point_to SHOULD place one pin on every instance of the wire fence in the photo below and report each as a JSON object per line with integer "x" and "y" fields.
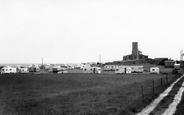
{"x": 155, "y": 86}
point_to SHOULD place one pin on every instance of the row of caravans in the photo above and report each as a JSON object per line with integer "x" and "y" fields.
{"x": 123, "y": 68}
{"x": 50, "y": 68}
{"x": 86, "y": 69}
{"x": 8, "y": 69}
{"x": 31, "y": 69}
{"x": 13, "y": 70}
{"x": 136, "y": 69}
{"x": 18, "y": 69}
{"x": 130, "y": 69}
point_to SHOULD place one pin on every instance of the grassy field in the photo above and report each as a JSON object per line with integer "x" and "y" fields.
{"x": 80, "y": 94}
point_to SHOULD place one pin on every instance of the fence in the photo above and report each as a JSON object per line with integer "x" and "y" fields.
{"x": 155, "y": 86}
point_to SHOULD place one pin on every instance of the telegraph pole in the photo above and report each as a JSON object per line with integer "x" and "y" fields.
{"x": 42, "y": 62}
{"x": 100, "y": 58}
{"x": 181, "y": 55}
{"x": 181, "y": 60}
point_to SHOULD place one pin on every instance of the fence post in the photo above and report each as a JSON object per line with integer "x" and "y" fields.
{"x": 142, "y": 92}
{"x": 153, "y": 87}
{"x": 166, "y": 78}
{"x": 176, "y": 76}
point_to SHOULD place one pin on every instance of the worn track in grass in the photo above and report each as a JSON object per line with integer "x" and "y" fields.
{"x": 164, "y": 104}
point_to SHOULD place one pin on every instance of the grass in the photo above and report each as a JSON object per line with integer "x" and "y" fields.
{"x": 65, "y": 94}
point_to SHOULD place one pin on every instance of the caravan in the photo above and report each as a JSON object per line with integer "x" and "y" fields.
{"x": 123, "y": 69}
{"x": 110, "y": 67}
{"x": 154, "y": 70}
{"x": 33, "y": 69}
{"x": 137, "y": 69}
{"x": 59, "y": 69}
{"x": 23, "y": 70}
{"x": 92, "y": 70}
{"x": 8, "y": 69}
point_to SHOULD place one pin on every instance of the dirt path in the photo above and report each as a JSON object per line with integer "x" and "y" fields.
{"x": 162, "y": 102}
{"x": 179, "y": 108}
{"x": 172, "y": 107}
{"x": 166, "y": 107}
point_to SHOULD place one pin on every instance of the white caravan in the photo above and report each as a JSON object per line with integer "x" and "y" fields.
{"x": 92, "y": 70}
{"x": 58, "y": 69}
{"x": 85, "y": 65}
{"x": 154, "y": 70}
{"x": 111, "y": 67}
{"x": 123, "y": 69}
{"x": 137, "y": 69}
{"x": 8, "y": 69}
{"x": 24, "y": 70}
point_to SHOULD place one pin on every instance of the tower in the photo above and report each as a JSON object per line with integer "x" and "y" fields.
{"x": 135, "y": 52}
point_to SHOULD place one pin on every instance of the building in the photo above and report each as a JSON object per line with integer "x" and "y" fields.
{"x": 136, "y": 53}
{"x": 182, "y": 64}
{"x": 169, "y": 64}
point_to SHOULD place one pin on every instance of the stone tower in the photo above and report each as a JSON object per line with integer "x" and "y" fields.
{"x": 135, "y": 52}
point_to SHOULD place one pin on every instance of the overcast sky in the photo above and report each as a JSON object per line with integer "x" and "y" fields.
{"x": 74, "y": 31}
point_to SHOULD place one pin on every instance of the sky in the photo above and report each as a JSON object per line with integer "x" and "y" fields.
{"x": 77, "y": 31}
